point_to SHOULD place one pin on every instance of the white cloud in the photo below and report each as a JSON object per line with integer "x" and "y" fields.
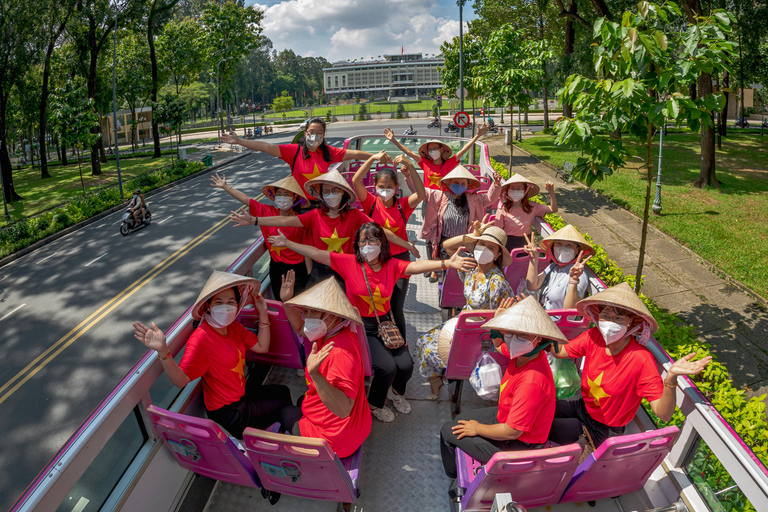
{"x": 350, "y": 29}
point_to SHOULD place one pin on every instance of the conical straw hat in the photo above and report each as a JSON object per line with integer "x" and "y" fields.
{"x": 445, "y": 338}
{"x": 288, "y": 183}
{"x": 531, "y": 189}
{"x": 221, "y": 281}
{"x": 527, "y": 317}
{"x": 327, "y": 296}
{"x": 445, "y": 149}
{"x": 621, "y": 296}
{"x": 567, "y": 234}
{"x": 461, "y": 172}
{"x": 334, "y": 178}
{"x": 495, "y": 235}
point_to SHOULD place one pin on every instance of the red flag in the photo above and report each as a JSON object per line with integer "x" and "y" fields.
{"x": 402, "y": 48}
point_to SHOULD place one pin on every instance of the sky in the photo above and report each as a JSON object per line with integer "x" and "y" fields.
{"x": 351, "y": 29}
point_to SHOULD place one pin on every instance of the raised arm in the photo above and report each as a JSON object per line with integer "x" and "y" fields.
{"x": 390, "y": 135}
{"x": 256, "y": 145}
{"x": 262, "y": 346}
{"x": 333, "y": 398}
{"x": 221, "y": 182}
{"x": 406, "y": 167}
{"x": 309, "y": 251}
{"x": 479, "y": 133}
{"x": 552, "y": 197}
{"x": 491, "y": 196}
{"x": 153, "y": 338}
{"x": 664, "y": 407}
{"x": 355, "y": 154}
{"x": 405, "y": 244}
{"x": 533, "y": 279}
{"x": 357, "y": 179}
{"x": 244, "y": 219}
{"x": 456, "y": 261}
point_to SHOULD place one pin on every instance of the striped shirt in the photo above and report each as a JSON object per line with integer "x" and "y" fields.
{"x": 455, "y": 221}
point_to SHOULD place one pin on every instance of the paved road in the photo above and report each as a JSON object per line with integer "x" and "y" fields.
{"x": 66, "y": 308}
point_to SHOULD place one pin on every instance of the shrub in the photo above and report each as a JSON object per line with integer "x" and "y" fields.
{"x": 400, "y": 110}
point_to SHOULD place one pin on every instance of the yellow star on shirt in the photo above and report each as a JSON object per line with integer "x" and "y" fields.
{"x": 378, "y": 300}
{"x": 238, "y": 369}
{"x": 435, "y": 178}
{"x": 275, "y": 249}
{"x": 335, "y": 242}
{"x": 595, "y": 391}
{"x": 314, "y": 174}
{"x": 389, "y": 227}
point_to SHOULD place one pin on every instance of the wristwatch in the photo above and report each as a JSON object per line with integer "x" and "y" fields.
{"x": 255, "y": 221}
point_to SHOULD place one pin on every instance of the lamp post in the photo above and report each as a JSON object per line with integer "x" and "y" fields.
{"x": 519, "y": 126}
{"x": 461, "y": 58}
{"x": 657, "y": 200}
{"x": 114, "y": 107}
{"x": 218, "y": 94}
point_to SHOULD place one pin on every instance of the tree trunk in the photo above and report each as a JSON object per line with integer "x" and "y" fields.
{"x": 570, "y": 41}
{"x": 6, "y": 170}
{"x": 646, "y": 211}
{"x": 31, "y": 137}
{"x": 724, "y": 113}
{"x": 58, "y": 147}
{"x": 153, "y": 63}
{"x": 707, "y": 177}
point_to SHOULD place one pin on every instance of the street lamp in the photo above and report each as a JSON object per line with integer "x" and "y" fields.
{"x": 657, "y": 200}
{"x": 461, "y": 58}
{"x": 114, "y": 106}
{"x": 218, "y": 94}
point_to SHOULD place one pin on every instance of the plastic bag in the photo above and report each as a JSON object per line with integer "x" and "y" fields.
{"x": 486, "y": 377}
{"x": 567, "y": 379}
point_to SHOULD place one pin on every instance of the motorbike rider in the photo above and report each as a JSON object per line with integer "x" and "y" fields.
{"x": 137, "y": 205}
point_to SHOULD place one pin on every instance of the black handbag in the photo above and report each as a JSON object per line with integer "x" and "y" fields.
{"x": 388, "y": 331}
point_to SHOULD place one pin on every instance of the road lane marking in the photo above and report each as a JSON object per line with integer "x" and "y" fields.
{"x": 12, "y": 312}
{"x": 165, "y": 219}
{"x": 97, "y": 259}
{"x": 60, "y": 345}
{"x": 117, "y": 222}
{"x": 47, "y": 257}
{"x": 81, "y": 504}
{"x": 211, "y": 194}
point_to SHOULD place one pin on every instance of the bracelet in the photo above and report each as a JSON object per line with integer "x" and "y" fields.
{"x": 265, "y": 323}
{"x": 255, "y": 221}
{"x": 668, "y": 386}
{"x": 167, "y": 355}
{"x": 573, "y": 282}
{"x": 443, "y": 265}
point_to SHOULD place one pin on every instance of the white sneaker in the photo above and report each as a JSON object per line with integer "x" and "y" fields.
{"x": 400, "y": 403}
{"x": 384, "y": 414}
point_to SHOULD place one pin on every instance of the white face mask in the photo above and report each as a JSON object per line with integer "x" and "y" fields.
{"x": 517, "y": 345}
{"x": 314, "y": 141}
{"x": 283, "y": 202}
{"x": 435, "y": 154}
{"x": 483, "y": 255}
{"x": 611, "y": 331}
{"x": 332, "y": 199}
{"x": 516, "y": 195}
{"x": 370, "y": 252}
{"x": 314, "y": 328}
{"x": 221, "y": 315}
{"x": 564, "y": 254}
{"x": 385, "y": 193}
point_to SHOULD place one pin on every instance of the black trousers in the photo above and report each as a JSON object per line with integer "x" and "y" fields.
{"x": 570, "y": 415}
{"x": 515, "y": 242}
{"x": 397, "y": 301}
{"x": 259, "y": 408}
{"x": 391, "y": 368}
{"x": 277, "y": 269}
{"x": 479, "y": 448}
{"x": 290, "y": 416}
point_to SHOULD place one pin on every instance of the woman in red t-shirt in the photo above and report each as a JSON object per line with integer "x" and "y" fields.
{"x": 516, "y": 211}
{"x": 333, "y": 408}
{"x": 371, "y": 293}
{"x": 618, "y": 370}
{"x": 287, "y": 196}
{"x": 331, "y": 227}
{"x": 391, "y": 212}
{"x": 309, "y": 158}
{"x": 527, "y": 394}
{"x": 215, "y": 351}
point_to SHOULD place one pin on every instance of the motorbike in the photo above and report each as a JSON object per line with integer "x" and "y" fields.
{"x": 408, "y": 131}
{"x": 741, "y": 123}
{"x": 435, "y": 123}
{"x": 451, "y": 128}
{"x": 128, "y": 224}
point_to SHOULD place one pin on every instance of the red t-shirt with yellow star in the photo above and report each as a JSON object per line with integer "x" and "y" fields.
{"x": 527, "y": 398}
{"x": 343, "y": 369}
{"x": 219, "y": 360}
{"x": 257, "y": 209}
{"x": 382, "y": 282}
{"x": 614, "y": 386}
{"x": 312, "y": 167}
{"x": 389, "y": 218}
{"x": 434, "y": 173}
{"x": 333, "y": 234}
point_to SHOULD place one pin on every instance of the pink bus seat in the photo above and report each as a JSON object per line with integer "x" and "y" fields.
{"x": 474, "y": 169}
{"x": 467, "y": 344}
{"x": 303, "y": 466}
{"x": 365, "y": 350}
{"x": 284, "y": 347}
{"x": 620, "y": 465}
{"x": 570, "y": 321}
{"x": 202, "y": 446}
{"x": 452, "y": 290}
{"x": 517, "y": 271}
{"x": 534, "y": 478}
{"x": 485, "y": 183}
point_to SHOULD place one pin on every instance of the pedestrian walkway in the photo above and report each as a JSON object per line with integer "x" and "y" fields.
{"x": 725, "y": 314}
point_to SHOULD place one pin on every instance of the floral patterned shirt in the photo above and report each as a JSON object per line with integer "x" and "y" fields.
{"x": 485, "y": 291}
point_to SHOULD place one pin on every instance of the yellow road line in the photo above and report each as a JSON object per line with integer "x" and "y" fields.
{"x": 54, "y": 350}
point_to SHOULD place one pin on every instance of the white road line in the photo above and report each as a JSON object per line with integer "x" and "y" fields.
{"x": 97, "y": 259}
{"x": 118, "y": 222}
{"x": 211, "y": 194}
{"x": 376, "y": 141}
{"x": 165, "y": 219}
{"x": 47, "y": 257}
{"x": 81, "y": 504}
{"x": 164, "y": 199}
{"x": 12, "y": 312}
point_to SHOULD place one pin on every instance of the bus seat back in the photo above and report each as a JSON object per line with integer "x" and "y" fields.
{"x": 452, "y": 290}
{"x": 570, "y": 322}
{"x": 620, "y": 465}
{"x": 284, "y": 347}
{"x": 467, "y": 345}
{"x": 201, "y": 446}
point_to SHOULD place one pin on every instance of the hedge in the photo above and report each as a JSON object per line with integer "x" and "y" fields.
{"x": 746, "y": 416}
{"x": 21, "y": 234}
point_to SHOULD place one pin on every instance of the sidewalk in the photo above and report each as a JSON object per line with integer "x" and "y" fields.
{"x": 724, "y": 314}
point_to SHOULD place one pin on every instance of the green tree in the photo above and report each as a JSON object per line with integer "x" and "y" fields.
{"x": 171, "y": 111}
{"x": 283, "y": 102}
{"x": 133, "y": 76}
{"x": 400, "y": 110}
{"x": 652, "y": 65}
{"x": 474, "y": 56}
{"x": 328, "y": 116}
{"x": 362, "y": 112}
{"x": 180, "y": 52}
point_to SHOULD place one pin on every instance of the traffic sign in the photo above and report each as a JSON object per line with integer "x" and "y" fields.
{"x": 460, "y": 90}
{"x": 461, "y": 119}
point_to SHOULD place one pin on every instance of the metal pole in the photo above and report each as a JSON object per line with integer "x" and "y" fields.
{"x": 114, "y": 107}
{"x": 657, "y": 200}
{"x": 519, "y": 126}
{"x": 461, "y": 58}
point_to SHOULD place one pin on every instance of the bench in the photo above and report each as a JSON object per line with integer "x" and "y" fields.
{"x": 566, "y": 173}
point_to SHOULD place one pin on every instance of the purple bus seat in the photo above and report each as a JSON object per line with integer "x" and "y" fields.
{"x": 620, "y": 465}
{"x": 201, "y": 446}
{"x": 570, "y": 322}
{"x": 534, "y": 478}
{"x": 452, "y": 290}
{"x": 517, "y": 271}
{"x": 365, "y": 350}
{"x": 474, "y": 169}
{"x": 467, "y": 344}
{"x": 284, "y": 347}
{"x": 485, "y": 183}
{"x": 303, "y": 466}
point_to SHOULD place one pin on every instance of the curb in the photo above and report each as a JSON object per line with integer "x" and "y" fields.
{"x": 708, "y": 264}
{"x": 64, "y": 232}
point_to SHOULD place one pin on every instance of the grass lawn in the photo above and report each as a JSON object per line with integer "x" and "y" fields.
{"x": 725, "y": 226}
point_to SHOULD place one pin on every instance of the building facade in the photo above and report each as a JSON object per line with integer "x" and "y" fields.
{"x": 143, "y": 127}
{"x": 397, "y": 75}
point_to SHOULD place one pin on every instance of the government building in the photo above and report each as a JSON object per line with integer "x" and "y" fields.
{"x": 407, "y": 74}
